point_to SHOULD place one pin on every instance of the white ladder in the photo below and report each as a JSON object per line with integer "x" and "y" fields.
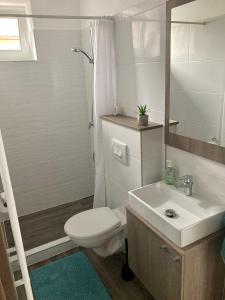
{"x": 13, "y": 217}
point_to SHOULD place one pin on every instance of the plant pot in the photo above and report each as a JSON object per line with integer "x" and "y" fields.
{"x": 142, "y": 120}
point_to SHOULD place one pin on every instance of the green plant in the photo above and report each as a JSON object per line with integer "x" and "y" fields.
{"x": 142, "y": 110}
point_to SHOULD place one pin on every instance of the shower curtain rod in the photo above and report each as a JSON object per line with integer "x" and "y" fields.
{"x": 56, "y": 17}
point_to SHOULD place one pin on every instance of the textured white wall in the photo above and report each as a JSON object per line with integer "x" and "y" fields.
{"x": 144, "y": 159}
{"x": 204, "y": 170}
{"x": 44, "y": 121}
{"x": 120, "y": 178}
{"x": 140, "y": 48}
{"x": 209, "y": 176}
{"x": 66, "y": 7}
{"x": 105, "y": 7}
{"x": 199, "y": 10}
{"x": 56, "y": 7}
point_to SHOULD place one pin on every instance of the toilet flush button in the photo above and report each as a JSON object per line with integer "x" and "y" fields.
{"x": 119, "y": 151}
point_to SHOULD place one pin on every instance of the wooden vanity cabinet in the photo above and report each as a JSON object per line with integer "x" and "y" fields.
{"x": 168, "y": 272}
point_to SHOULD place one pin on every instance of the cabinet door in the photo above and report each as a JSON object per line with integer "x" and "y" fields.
{"x": 156, "y": 264}
{"x": 138, "y": 250}
{"x": 164, "y": 270}
{"x": 204, "y": 271}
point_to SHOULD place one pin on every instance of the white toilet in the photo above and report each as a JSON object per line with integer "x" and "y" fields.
{"x": 102, "y": 229}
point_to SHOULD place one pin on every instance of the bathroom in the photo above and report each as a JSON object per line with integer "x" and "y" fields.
{"x": 95, "y": 205}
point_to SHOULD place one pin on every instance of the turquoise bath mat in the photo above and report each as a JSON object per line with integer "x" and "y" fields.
{"x": 71, "y": 278}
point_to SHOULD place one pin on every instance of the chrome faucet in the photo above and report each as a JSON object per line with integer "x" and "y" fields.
{"x": 186, "y": 182}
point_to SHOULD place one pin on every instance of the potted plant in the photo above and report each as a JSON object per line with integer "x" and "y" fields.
{"x": 142, "y": 115}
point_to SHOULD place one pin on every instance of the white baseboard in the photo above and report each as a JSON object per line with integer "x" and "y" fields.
{"x": 44, "y": 252}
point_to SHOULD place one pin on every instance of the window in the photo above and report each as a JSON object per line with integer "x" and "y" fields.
{"x": 16, "y": 37}
{"x": 9, "y": 35}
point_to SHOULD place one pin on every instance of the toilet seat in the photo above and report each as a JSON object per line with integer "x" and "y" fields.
{"x": 92, "y": 226}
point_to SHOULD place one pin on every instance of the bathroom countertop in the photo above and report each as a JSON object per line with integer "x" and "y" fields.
{"x": 131, "y": 122}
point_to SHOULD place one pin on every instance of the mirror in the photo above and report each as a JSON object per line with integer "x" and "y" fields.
{"x": 196, "y": 93}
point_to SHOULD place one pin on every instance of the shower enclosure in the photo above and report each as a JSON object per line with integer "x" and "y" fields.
{"x": 46, "y": 119}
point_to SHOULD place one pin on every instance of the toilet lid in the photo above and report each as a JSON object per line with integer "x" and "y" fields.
{"x": 92, "y": 223}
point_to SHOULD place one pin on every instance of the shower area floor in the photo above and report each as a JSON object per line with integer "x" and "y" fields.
{"x": 48, "y": 225}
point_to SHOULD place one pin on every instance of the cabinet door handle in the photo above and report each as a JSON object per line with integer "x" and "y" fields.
{"x": 165, "y": 249}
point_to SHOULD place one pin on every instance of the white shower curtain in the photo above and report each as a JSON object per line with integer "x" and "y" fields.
{"x": 104, "y": 97}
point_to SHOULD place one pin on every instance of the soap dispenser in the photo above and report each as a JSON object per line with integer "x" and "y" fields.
{"x": 170, "y": 173}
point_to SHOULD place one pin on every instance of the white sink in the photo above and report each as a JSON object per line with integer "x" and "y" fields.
{"x": 196, "y": 217}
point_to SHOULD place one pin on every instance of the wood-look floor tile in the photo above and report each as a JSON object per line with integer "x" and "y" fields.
{"x": 47, "y": 225}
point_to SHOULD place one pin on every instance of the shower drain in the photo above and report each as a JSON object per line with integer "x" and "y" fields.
{"x": 171, "y": 213}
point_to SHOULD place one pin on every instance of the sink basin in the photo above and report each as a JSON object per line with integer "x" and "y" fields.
{"x": 194, "y": 217}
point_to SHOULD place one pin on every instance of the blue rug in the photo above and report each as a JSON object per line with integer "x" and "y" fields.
{"x": 71, "y": 278}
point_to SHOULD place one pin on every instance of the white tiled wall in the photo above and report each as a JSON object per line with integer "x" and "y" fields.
{"x": 44, "y": 121}
{"x": 208, "y": 175}
{"x": 120, "y": 178}
{"x": 198, "y": 79}
{"x": 152, "y": 155}
{"x": 140, "y": 48}
{"x": 144, "y": 162}
{"x": 105, "y": 7}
